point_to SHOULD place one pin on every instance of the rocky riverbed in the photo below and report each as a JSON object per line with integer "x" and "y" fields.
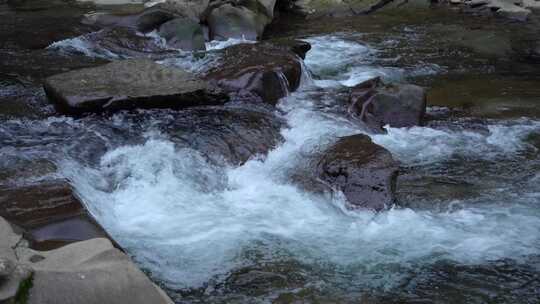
{"x": 269, "y": 151}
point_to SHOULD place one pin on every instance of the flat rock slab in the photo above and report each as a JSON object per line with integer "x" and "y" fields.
{"x": 129, "y": 84}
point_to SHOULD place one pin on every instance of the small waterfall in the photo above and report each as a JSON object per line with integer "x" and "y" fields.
{"x": 284, "y": 83}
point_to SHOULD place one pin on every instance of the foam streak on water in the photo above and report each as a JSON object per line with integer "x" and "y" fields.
{"x": 190, "y": 222}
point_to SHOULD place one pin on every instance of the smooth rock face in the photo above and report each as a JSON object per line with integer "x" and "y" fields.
{"x": 257, "y": 72}
{"x": 229, "y": 21}
{"x": 365, "y": 172}
{"x": 129, "y": 84}
{"x": 11, "y": 273}
{"x": 184, "y": 34}
{"x": 152, "y": 18}
{"x": 50, "y": 213}
{"x": 195, "y": 10}
{"x": 397, "y": 105}
{"x": 89, "y": 272}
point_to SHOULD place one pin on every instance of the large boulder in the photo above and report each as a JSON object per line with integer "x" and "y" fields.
{"x": 183, "y": 33}
{"x": 261, "y": 71}
{"x": 129, "y": 84}
{"x": 88, "y": 272}
{"x": 152, "y": 17}
{"x": 228, "y": 21}
{"x": 365, "y": 172}
{"x": 49, "y": 212}
{"x": 195, "y": 10}
{"x": 378, "y": 104}
{"x": 13, "y": 275}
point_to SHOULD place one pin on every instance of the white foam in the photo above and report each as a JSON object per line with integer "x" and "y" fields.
{"x": 221, "y": 44}
{"x": 189, "y": 222}
{"x": 82, "y": 45}
{"x": 424, "y": 145}
{"x": 340, "y": 62}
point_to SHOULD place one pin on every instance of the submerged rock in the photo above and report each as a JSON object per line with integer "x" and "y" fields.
{"x": 129, "y": 84}
{"x": 233, "y": 134}
{"x": 379, "y": 104}
{"x": 50, "y": 213}
{"x": 365, "y": 172}
{"x": 261, "y": 71}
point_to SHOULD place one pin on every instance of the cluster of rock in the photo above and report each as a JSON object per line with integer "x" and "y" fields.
{"x": 258, "y": 74}
{"x": 518, "y": 10}
{"x": 187, "y": 24}
{"x": 363, "y": 171}
{"x": 84, "y": 266}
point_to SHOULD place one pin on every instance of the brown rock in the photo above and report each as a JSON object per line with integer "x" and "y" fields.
{"x": 378, "y": 104}
{"x": 258, "y": 71}
{"x": 365, "y": 172}
{"x": 50, "y": 213}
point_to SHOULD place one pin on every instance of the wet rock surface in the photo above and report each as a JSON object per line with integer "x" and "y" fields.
{"x": 347, "y": 256}
{"x": 233, "y": 134}
{"x": 365, "y": 172}
{"x": 259, "y": 71}
{"x": 129, "y": 84}
{"x": 49, "y": 212}
{"x": 396, "y": 105}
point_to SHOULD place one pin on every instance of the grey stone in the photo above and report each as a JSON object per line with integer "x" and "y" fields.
{"x": 129, "y": 84}
{"x": 89, "y": 272}
{"x": 508, "y": 9}
{"x": 228, "y": 21}
{"x": 379, "y": 104}
{"x": 11, "y": 273}
{"x": 183, "y": 33}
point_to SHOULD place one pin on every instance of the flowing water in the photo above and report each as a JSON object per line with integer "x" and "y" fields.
{"x": 466, "y": 228}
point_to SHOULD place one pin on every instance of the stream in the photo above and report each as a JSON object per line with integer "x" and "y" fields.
{"x": 466, "y": 228}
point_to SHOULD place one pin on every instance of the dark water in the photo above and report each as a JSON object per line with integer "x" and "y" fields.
{"x": 465, "y": 230}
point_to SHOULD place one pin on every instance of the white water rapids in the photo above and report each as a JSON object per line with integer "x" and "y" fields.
{"x": 189, "y": 222}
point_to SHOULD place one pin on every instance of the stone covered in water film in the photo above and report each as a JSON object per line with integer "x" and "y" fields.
{"x": 379, "y": 104}
{"x": 365, "y": 172}
{"x": 261, "y": 71}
